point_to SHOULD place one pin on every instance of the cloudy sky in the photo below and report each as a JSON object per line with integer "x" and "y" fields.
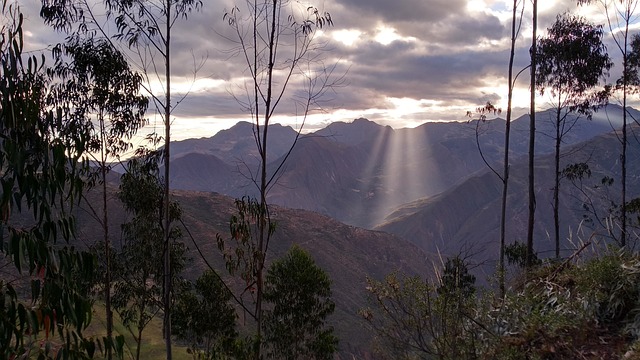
{"x": 399, "y": 63}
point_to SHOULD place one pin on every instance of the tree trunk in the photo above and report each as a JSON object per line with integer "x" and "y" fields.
{"x": 167, "y": 219}
{"x": 556, "y": 184}
{"x": 107, "y": 249}
{"x": 532, "y": 134}
{"x": 623, "y": 156}
{"x": 505, "y": 174}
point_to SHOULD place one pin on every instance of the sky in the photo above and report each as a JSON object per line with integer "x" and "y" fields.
{"x": 399, "y": 63}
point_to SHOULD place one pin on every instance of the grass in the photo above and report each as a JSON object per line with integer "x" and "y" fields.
{"x": 152, "y": 346}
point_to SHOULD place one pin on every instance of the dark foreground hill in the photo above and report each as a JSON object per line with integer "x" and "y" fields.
{"x": 348, "y": 254}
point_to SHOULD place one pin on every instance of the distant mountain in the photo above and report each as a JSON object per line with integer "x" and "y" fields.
{"x": 468, "y": 215}
{"x": 348, "y": 254}
{"x": 237, "y": 144}
{"x": 359, "y": 172}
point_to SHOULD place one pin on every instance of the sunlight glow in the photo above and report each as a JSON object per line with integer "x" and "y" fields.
{"x": 347, "y": 36}
{"x": 386, "y": 35}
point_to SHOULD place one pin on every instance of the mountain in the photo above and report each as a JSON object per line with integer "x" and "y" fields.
{"x": 348, "y": 254}
{"x": 359, "y": 172}
{"x": 237, "y": 144}
{"x": 467, "y": 216}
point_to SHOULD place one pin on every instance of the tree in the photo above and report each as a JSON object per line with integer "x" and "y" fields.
{"x": 620, "y": 16}
{"x": 416, "y": 318}
{"x": 109, "y": 94}
{"x": 532, "y": 135}
{"x": 275, "y": 40}
{"x": 147, "y": 27}
{"x": 138, "y": 294}
{"x": 572, "y": 60}
{"x": 515, "y": 30}
{"x": 40, "y": 156}
{"x": 300, "y": 295}
{"x": 205, "y": 319}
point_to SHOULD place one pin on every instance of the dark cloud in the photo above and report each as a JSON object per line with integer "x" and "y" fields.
{"x": 437, "y": 57}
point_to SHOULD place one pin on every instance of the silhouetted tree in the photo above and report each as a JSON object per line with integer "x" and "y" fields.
{"x": 532, "y": 134}
{"x": 620, "y": 16}
{"x": 138, "y": 294}
{"x": 108, "y": 95}
{"x": 205, "y": 319}
{"x": 572, "y": 60}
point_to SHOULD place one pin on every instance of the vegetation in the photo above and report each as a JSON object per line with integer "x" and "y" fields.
{"x": 572, "y": 61}
{"x": 574, "y": 309}
{"x": 56, "y": 122}
{"x": 299, "y": 293}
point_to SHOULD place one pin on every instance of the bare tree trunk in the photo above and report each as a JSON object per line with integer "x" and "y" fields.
{"x": 507, "y": 134}
{"x": 167, "y": 161}
{"x": 107, "y": 245}
{"x": 556, "y": 184}
{"x": 532, "y": 134}
{"x": 623, "y": 156}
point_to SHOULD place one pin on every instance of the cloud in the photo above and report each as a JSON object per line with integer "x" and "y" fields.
{"x": 442, "y": 51}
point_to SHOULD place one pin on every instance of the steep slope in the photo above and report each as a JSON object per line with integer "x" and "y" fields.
{"x": 348, "y": 254}
{"x": 359, "y": 172}
{"x": 468, "y": 214}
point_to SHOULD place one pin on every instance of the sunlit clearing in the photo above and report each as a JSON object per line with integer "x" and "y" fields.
{"x": 347, "y": 37}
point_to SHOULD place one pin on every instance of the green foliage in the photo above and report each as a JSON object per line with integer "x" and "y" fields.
{"x": 456, "y": 279}
{"x": 299, "y": 294}
{"x": 42, "y": 144}
{"x": 516, "y": 254}
{"x": 244, "y": 255}
{"x": 137, "y": 292}
{"x": 416, "y": 319}
{"x": 566, "y": 311}
{"x": 205, "y": 319}
{"x": 571, "y": 61}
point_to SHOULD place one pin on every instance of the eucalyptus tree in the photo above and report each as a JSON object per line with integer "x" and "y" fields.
{"x": 43, "y": 141}
{"x": 572, "y": 61}
{"x": 146, "y": 27}
{"x": 108, "y": 92}
{"x": 532, "y": 135}
{"x": 516, "y": 22}
{"x": 621, "y": 15}
{"x": 137, "y": 294}
{"x": 276, "y": 41}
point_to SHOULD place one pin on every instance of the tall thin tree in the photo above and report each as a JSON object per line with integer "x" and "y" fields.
{"x": 620, "y": 16}
{"x": 532, "y": 136}
{"x": 145, "y": 26}
{"x": 572, "y": 61}
{"x": 108, "y": 90}
{"x": 276, "y": 41}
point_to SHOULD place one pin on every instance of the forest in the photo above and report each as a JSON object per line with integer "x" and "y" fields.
{"x": 100, "y": 259}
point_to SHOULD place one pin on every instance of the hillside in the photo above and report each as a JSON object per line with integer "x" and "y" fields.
{"x": 359, "y": 172}
{"x": 348, "y": 254}
{"x": 467, "y": 215}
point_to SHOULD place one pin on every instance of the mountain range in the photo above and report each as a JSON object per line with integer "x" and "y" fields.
{"x": 361, "y": 172}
